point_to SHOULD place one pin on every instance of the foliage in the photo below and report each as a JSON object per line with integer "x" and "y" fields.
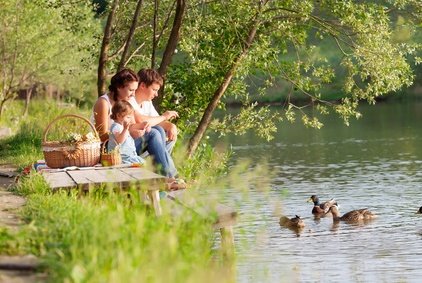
{"x": 45, "y": 42}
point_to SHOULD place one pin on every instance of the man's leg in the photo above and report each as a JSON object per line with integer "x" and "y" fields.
{"x": 156, "y": 147}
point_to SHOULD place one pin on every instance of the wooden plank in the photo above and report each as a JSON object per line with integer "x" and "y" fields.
{"x": 143, "y": 174}
{"x": 83, "y": 177}
{"x": 58, "y": 180}
{"x": 27, "y": 262}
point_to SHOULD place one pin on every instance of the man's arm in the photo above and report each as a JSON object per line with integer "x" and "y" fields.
{"x": 170, "y": 129}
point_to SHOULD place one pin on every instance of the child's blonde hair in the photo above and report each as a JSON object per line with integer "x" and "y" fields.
{"x": 121, "y": 108}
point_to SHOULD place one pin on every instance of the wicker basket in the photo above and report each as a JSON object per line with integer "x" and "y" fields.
{"x": 110, "y": 158}
{"x": 61, "y": 154}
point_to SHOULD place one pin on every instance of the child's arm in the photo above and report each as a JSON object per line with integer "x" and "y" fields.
{"x": 122, "y": 136}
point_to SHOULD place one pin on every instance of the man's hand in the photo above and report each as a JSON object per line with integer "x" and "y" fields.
{"x": 172, "y": 132}
{"x": 168, "y": 115}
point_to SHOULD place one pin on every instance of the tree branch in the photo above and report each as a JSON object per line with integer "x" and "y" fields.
{"x": 130, "y": 35}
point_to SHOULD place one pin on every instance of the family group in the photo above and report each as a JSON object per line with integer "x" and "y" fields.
{"x": 125, "y": 117}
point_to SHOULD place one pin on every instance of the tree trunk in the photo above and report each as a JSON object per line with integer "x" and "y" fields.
{"x": 129, "y": 38}
{"x": 212, "y": 105}
{"x": 102, "y": 72}
{"x": 2, "y": 107}
{"x": 154, "y": 34}
{"x": 27, "y": 100}
{"x": 171, "y": 47}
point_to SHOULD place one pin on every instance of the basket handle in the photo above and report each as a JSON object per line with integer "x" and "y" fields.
{"x": 67, "y": 116}
{"x": 103, "y": 148}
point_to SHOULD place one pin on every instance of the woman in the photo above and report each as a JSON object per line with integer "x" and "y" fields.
{"x": 122, "y": 87}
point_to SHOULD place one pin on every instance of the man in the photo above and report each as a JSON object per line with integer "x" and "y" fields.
{"x": 150, "y": 81}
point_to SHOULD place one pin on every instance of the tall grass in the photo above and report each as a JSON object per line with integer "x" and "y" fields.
{"x": 110, "y": 237}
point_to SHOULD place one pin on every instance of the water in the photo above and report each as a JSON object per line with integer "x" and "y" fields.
{"x": 376, "y": 163}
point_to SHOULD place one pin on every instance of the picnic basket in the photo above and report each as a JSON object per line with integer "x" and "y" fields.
{"x": 110, "y": 158}
{"x": 82, "y": 153}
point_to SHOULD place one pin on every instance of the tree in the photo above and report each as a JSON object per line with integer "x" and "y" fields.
{"x": 42, "y": 42}
{"x": 233, "y": 40}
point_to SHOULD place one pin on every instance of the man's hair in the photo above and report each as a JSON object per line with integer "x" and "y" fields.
{"x": 121, "y": 79}
{"x": 122, "y": 108}
{"x": 150, "y": 76}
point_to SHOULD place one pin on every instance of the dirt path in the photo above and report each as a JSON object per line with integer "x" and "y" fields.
{"x": 14, "y": 269}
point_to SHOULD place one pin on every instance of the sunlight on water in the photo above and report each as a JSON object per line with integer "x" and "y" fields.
{"x": 376, "y": 163}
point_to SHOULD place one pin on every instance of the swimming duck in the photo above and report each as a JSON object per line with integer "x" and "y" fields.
{"x": 420, "y": 210}
{"x": 294, "y": 223}
{"x": 321, "y": 208}
{"x": 352, "y": 216}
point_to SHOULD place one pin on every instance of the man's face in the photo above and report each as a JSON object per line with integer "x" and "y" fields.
{"x": 152, "y": 91}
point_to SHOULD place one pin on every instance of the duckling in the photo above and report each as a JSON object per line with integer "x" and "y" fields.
{"x": 293, "y": 223}
{"x": 320, "y": 209}
{"x": 352, "y": 216}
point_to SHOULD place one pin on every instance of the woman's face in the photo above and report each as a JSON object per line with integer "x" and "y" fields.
{"x": 128, "y": 91}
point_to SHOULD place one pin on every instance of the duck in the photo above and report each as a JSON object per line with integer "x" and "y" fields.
{"x": 352, "y": 216}
{"x": 321, "y": 209}
{"x": 420, "y": 210}
{"x": 293, "y": 223}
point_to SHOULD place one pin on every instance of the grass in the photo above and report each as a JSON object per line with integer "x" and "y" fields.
{"x": 106, "y": 236}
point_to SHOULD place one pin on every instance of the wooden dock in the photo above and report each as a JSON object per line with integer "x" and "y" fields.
{"x": 120, "y": 177}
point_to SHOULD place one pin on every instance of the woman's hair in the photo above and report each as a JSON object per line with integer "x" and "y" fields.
{"x": 121, "y": 79}
{"x": 150, "y": 76}
{"x": 121, "y": 108}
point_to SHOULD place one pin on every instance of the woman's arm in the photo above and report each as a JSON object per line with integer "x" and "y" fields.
{"x": 102, "y": 118}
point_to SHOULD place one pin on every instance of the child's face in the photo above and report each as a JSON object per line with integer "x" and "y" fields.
{"x": 128, "y": 118}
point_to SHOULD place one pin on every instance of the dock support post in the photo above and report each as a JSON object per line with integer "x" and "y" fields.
{"x": 227, "y": 242}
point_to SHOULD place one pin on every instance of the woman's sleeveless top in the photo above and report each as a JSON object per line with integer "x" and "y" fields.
{"x": 110, "y": 121}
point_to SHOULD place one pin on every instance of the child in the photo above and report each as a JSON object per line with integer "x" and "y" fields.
{"x": 122, "y": 114}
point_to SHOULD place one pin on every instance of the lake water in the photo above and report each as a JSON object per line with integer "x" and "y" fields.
{"x": 374, "y": 163}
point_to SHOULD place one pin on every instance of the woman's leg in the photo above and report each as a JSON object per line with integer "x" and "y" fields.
{"x": 153, "y": 142}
